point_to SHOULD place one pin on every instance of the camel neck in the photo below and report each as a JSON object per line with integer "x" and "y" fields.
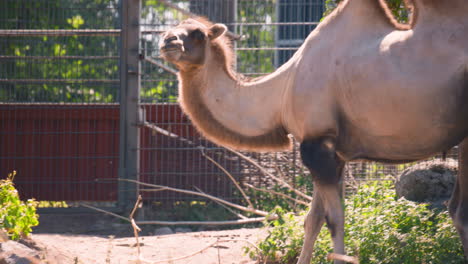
{"x": 241, "y": 114}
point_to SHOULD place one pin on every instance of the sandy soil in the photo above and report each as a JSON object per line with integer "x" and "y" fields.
{"x": 95, "y": 249}
{"x": 96, "y": 239}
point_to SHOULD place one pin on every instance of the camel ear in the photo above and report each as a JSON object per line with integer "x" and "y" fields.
{"x": 216, "y": 31}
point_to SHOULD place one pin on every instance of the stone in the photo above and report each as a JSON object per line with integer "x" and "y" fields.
{"x": 183, "y": 230}
{"x": 12, "y": 252}
{"x": 163, "y": 231}
{"x": 427, "y": 181}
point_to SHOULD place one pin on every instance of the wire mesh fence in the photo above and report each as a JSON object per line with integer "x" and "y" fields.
{"x": 60, "y": 88}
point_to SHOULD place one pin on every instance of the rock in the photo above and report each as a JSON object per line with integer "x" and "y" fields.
{"x": 183, "y": 230}
{"x": 163, "y": 231}
{"x": 427, "y": 181}
{"x": 12, "y": 252}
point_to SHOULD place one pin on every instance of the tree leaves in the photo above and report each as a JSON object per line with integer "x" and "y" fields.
{"x": 16, "y": 217}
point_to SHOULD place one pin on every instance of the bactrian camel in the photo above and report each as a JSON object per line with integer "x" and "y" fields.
{"x": 361, "y": 87}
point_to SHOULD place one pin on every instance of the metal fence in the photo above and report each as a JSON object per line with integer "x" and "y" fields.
{"x": 59, "y": 94}
{"x": 79, "y": 77}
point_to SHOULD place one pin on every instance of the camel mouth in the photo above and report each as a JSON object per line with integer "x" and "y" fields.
{"x": 172, "y": 47}
{"x": 171, "y": 52}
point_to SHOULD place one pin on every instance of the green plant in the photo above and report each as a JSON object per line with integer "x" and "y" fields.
{"x": 397, "y": 7}
{"x": 379, "y": 229}
{"x": 16, "y": 217}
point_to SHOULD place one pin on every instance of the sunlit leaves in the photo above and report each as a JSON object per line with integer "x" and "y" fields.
{"x": 76, "y": 21}
{"x": 16, "y": 217}
{"x": 379, "y": 228}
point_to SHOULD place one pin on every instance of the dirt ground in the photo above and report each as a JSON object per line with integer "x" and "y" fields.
{"x": 96, "y": 238}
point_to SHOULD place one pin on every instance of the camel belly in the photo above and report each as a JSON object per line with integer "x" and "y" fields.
{"x": 407, "y": 123}
{"x": 356, "y": 143}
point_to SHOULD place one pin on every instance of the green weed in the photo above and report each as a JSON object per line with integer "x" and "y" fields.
{"x": 380, "y": 228}
{"x": 16, "y": 217}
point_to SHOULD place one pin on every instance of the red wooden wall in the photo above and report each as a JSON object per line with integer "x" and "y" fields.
{"x": 62, "y": 152}
{"x": 59, "y": 151}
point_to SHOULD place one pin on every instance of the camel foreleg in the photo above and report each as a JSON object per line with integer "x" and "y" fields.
{"x": 313, "y": 223}
{"x": 326, "y": 169}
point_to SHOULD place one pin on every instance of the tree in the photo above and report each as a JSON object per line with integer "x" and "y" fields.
{"x": 64, "y": 64}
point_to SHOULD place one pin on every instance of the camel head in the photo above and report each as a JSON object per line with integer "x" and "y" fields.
{"x": 187, "y": 44}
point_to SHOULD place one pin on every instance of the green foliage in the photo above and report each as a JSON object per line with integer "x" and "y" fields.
{"x": 52, "y": 204}
{"x": 189, "y": 211}
{"x": 396, "y": 6}
{"x": 269, "y": 201}
{"x": 379, "y": 229}
{"x": 72, "y": 58}
{"x": 16, "y": 217}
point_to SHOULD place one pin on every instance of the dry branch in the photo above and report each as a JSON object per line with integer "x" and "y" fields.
{"x": 172, "y": 223}
{"x": 105, "y": 212}
{"x": 161, "y": 65}
{"x": 161, "y": 187}
{"x": 277, "y": 193}
{"x": 186, "y": 256}
{"x": 190, "y": 14}
{"x": 225, "y": 207}
{"x": 334, "y": 256}
{"x": 136, "y": 229}
{"x": 251, "y": 161}
{"x": 230, "y": 177}
{"x": 203, "y": 249}
{"x": 212, "y": 223}
{"x": 281, "y": 181}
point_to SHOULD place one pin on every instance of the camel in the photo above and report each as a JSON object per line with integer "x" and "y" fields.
{"x": 360, "y": 87}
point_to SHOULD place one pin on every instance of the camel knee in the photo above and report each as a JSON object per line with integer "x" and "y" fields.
{"x": 318, "y": 155}
{"x": 335, "y": 224}
{"x": 452, "y": 206}
{"x": 458, "y": 210}
{"x": 316, "y": 214}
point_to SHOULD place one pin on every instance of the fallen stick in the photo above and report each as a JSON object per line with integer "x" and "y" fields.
{"x": 105, "y": 212}
{"x": 136, "y": 229}
{"x": 161, "y": 187}
{"x": 277, "y": 193}
{"x": 172, "y": 223}
{"x": 349, "y": 259}
{"x": 230, "y": 177}
{"x": 225, "y": 207}
{"x": 281, "y": 181}
{"x": 186, "y": 256}
{"x": 251, "y": 161}
{"x": 227, "y": 222}
{"x": 203, "y": 249}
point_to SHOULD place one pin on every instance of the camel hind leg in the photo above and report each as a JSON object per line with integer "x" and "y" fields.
{"x": 326, "y": 169}
{"x": 458, "y": 206}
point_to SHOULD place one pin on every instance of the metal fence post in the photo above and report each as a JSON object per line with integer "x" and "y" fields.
{"x": 130, "y": 69}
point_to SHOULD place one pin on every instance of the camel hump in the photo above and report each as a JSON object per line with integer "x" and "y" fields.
{"x": 377, "y": 11}
{"x": 447, "y": 7}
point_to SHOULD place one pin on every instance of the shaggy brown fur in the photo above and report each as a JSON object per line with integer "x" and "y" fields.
{"x": 203, "y": 119}
{"x": 190, "y": 87}
{"x": 221, "y": 47}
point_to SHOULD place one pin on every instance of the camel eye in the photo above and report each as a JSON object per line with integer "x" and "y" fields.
{"x": 197, "y": 34}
